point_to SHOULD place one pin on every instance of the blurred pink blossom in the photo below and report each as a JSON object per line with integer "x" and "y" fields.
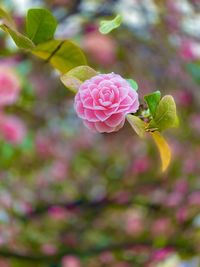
{"x": 189, "y": 50}
{"x": 134, "y": 224}
{"x": 49, "y": 249}
{"x": 182, "y": 214}
{"x": 44, "y": 145}
{"x": 59, "y": 170}
{"x": 184, "y": 98}
{"x": 141, "y": 164}
{"x": 161, "y": 226}
{"x": 194, "y": 198}
{"x": 173, "y": 199}
{"x": 12, "y": 129}
{"x": 195, "y": 122}
{"x": 161, "y": 254}
{"x": 106, "y": 257}
{"x": 71, "y": 261}
{"x": 58, "y": 213}
{"x": 181, "y": 186}
{"x": 100, "y": 47}
{"x": 9, "y": 86}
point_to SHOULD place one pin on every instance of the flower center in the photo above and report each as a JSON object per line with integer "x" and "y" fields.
{"x": 106, "y": 96}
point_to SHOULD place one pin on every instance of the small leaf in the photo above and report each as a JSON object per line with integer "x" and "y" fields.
{"x": 40, "y": 25}
{"x": 8, "y": 26}
{"x": 152, "y": 101}
{"x": 71, "y": 82}
{"x": 165, "y": 116}
{"x": 164, "y": 149}
{"x": 137, "y": 124}
{"x": 133, "y": 84}
{"x": 107, "y": 26}
{"x": 63, "y": 55}
{"x": 74, "y": 78}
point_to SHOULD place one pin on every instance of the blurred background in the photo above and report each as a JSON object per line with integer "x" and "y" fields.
{"x": 72, "y": 198}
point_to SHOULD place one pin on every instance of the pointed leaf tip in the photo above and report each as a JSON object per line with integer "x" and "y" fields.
{"x": 107, "y": 26}
{"x": 164, "y": 149}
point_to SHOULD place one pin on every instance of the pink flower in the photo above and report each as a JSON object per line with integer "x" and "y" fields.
{"x": 103, "y": 102}
{"x": 141, "y": 164}
{"x": 12, "y": 129}
{"x": 9, "y": 86}
{"x": 70, "y": 261}
{"x": 134, "y": 223}
{"x": 189, "y": 50}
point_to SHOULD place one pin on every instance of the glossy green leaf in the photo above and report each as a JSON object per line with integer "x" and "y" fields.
{"x": 40, "y": 25}
{"x": 165, "y": 116}
{"x": 152, "y": 101}
{"x": 137, "y": 124}
{"x": 63, "y": 55}
{"x": 133, "y": 84}
{"x": 107, "y": 26}
{"x": 74, "y": 78}
{"x": 164, "y": 149}
{"x": 8, "y": 26}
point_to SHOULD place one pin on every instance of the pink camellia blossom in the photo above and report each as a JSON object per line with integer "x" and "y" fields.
{"x": 9, "y": 86}
{"x": 104, "y": 101}
{"x": 12, "y": 129}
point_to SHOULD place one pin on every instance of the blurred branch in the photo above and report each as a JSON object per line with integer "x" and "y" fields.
{"x": 87, "y": 204}
{"x": 92, "y": 251}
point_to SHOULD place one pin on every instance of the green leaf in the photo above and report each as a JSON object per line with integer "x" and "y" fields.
{"x": 63, "y": 55}
{"x": 40, "y": 25}
{"x": 152, "y": 101}
{"x": 165, "y": 116}
{"x": 71, "y": 82}
{"x": 83, "y": 73}
{"x": 107, "y": 26}
{"x": 20, "y": 40}
{"x": 74, "y": 78}
{"x": 8, "y": 26}
{"x": 137, "y": 124}
{"x": 164, "y": 149}
{"x": 133, "y": 84}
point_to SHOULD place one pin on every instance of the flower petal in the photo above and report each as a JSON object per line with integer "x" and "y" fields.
{"x": 114, "y": 120}
{"x": 103, "y": 128}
